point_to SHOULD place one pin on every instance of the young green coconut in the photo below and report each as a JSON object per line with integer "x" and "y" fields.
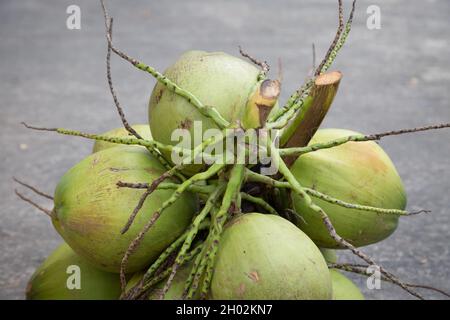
{"x": 343, "y": 287}
{"x": 52, "y": 279}
{"x": 142, "y": 129}
{"x": 235, "y": 88}
{"x": 267, "y": 257}
{"x": 356, "y": 172}
{"x": 329, "y": 255}
{"x": 90, "y": 211}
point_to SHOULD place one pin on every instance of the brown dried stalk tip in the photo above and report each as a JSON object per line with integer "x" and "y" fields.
{"x": 262, "y": 64}
{"x": 34, "y": 189}
{"x": 38, "y": 128}
{"x": 336, "y": 38}
{"x": 34, "y": 204}
{"x": 132, "y": 247}
{"x": 111, "y": 87}
{"x": 378, "y": 136}
{"x": 344, "y": 243}
{"x": 362, "y": 270}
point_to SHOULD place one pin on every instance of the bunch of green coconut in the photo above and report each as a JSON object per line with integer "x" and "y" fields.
{"x": 138, "y": 225}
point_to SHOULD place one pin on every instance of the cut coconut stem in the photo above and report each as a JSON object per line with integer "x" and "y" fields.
{"x": 278, "y": 116}
{"x": 260, "y": 103}
{"x": 304, "y": 125}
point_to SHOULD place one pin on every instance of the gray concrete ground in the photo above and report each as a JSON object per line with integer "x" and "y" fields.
{"x": 395, "y": 77}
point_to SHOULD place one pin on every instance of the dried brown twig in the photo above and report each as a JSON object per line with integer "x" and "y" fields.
{"x": 335, "y": 41}
{"x": 262, "y": 64}
{"x": 362, "y": 270}
{"x": 34, "y": 204}
{"x": 34, "y": 189}
{"x": 109, "y": 77}
{"x": 152, "y": 187}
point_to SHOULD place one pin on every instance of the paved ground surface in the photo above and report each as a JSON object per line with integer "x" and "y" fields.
{"x": 395, "y": 77}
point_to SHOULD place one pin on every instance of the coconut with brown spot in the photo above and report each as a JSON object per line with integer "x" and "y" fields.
{"x": 267, "y": 257}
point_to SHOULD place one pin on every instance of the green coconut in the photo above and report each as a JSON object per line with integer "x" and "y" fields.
{"x": 52, "y": 280}
{"x": 142, "y": 129}
{"x": 343, "y": 287}
{"x": 90, "y": 210}
{"x": 355, "y": 172}
{"x": 329, "y": 255}
{"x": 217, "y": 79}
{"x": 267, "y": 257}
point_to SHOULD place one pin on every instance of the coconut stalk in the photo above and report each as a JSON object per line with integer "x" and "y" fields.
{"x": 304, "y": 125}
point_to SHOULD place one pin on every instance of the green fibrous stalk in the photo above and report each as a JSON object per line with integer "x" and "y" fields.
{"x": 142, "y": 129}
